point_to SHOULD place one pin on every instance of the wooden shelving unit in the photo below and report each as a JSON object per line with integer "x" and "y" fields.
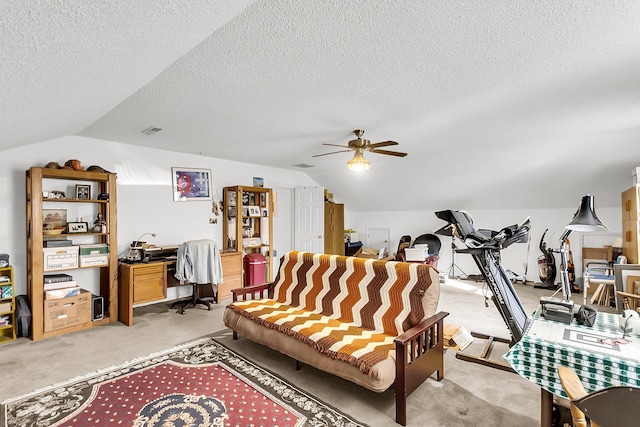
{"x": 7, "y": 305}
{"x": 37, "y": 179}
{"x": 248, "y": 222}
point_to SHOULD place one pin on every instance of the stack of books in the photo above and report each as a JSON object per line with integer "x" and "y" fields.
{"x": 57, "y": 243}
{"x": 58, "y": 286}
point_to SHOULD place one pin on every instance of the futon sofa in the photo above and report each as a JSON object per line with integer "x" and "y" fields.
{"x": 368, "y": 321}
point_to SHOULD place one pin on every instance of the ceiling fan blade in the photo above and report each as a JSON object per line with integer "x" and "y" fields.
{"x": 390, "y": 153}
{"x": 333, "y": 152}
{"x": 383, "y": 144}
{"x": 336, "y": 145}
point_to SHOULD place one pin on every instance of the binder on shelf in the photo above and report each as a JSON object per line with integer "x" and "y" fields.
{"x": 57, "y": 243}
{"x": 55, "y": 278}
{"x": 60, "y": 285}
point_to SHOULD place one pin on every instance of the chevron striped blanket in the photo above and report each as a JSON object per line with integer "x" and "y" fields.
{"x": 347, "y": 308}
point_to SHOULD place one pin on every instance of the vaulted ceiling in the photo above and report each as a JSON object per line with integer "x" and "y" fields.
{"x": 498, "y": 103}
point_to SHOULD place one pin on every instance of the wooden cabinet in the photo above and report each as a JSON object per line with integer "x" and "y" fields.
{"x": 333, "y": 228}
{"x": 232, "y": 274}
{"x": 7, "y": 305}
{"x": 140, "y": 283}
{"x": 248, "y": 222}
{"x": 78, "y": 210}
{"x": 631, "y": 224}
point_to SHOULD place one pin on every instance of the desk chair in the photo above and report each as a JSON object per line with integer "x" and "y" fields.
{"x": 434, "y": 247}
{"x": 198, "y": 263}
{"x": 608, "y": 407}
{"x": 405, "y": 242}
{"x": 601, "y": 274}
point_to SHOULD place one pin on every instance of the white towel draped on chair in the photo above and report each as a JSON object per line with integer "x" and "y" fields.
{"x": 199, "y": 262}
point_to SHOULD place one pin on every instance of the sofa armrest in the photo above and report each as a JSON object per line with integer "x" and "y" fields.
{"x": 420, "y": 328}
{"x": 419, "y": 353}
{"x": 252, "y": 292}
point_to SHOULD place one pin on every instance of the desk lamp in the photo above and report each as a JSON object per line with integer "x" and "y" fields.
{"x": 584, "y": 220}
{"x": 136, "y": 250}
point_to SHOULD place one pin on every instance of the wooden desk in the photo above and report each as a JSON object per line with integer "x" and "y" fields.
{"x": 147, "y": 282}
{"x": 547, "y": 344}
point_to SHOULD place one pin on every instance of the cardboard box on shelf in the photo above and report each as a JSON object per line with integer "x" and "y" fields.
{"x": 66, "y": 312}
{"x": 62, "y": 293}
{"x": 94, "y": 255}
{"x": 60, "y": 258}
{"x": 5, "y": 306}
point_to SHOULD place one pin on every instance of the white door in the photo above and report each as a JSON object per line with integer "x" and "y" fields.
{"x": 378, "y": 238}
{"x": 309, "y": 219}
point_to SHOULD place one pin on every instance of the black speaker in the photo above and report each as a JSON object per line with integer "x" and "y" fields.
{"x": 97, "y": 307}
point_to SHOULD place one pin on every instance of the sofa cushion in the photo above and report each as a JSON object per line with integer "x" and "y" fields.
{"x": 381, "y": 377}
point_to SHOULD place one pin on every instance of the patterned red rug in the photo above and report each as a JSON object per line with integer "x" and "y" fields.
{"x": 198, "y": 384}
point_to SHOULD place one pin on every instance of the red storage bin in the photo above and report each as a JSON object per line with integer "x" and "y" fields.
{"x": 255, "y": 268}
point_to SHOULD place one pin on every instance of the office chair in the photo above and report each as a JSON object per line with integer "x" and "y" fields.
{"x": 434, "y": 247}
{"x": 198, "y": 263}
{"x": 405, "y": 242}
{"x": 430, "y": 239}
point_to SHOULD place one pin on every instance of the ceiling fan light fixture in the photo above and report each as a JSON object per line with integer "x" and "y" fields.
{"x": 358, "y": 162}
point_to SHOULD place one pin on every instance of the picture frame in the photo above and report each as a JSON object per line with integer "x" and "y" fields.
{"x": 253, "y": 211}
{"x": 191, "y": 184}
{"x": 83, "y": 192}
{"x": 258, "y": 182}
{"x": 77, "y": 227}
{"x": 55, "y": 218}
{"x": 625, "y": 275}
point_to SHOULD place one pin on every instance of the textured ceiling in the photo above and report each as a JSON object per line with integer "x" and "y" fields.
{"x": 500, "y": 104}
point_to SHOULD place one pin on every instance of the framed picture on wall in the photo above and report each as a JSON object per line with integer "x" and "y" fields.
{"x": 191, "y": 184}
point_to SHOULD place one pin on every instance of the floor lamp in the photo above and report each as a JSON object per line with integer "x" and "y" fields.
{"x": 584, "y": 220}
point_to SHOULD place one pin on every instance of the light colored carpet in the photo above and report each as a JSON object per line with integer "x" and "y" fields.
{"x": 470, "y": 394}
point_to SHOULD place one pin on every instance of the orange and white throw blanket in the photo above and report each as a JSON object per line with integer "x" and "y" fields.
{"x": 347, "y": 308}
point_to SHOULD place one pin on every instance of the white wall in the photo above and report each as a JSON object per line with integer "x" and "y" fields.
{"x": 145, "y": 202}
{"x": 145, "y": 205}
{"x": 514, "y": 257}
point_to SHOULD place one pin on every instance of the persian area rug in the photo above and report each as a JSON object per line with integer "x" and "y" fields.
{"x": 198, "y": 384}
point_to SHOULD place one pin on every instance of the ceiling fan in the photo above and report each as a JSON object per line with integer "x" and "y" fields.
{"x": 360, "y": 145}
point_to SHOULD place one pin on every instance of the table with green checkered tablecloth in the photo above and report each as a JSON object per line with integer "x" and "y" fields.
{"x": 547, "y": 344}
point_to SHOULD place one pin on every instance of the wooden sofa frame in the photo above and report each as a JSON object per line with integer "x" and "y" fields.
{"x": 419, "y": 351}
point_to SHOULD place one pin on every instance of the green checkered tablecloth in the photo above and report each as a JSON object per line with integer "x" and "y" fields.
{"x": 547, "y": 344}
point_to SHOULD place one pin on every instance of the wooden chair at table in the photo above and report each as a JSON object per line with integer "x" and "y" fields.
{"x": 574, "y": 390}
{"x": 614, "y": 406}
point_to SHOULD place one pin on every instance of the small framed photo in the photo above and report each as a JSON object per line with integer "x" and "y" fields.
{"x": 77, "y": 227}
{"x": 254, "y": 210}
{"x": 83, "y": 192}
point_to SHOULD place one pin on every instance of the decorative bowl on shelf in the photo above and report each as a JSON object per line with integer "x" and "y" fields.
{"x": 53, "y": 231}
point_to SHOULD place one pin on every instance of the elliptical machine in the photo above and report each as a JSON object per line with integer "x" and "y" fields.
{"x": 546, "y": 266}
